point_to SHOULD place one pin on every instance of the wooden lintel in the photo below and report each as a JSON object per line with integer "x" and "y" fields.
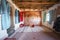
{"x": 35, "y": 2}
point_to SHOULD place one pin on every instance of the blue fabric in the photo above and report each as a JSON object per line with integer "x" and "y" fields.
{"x": 0, "y": 8}
{"x": 16, "y": 17}
{"x": 5, "y": 16}
{"x": 4, "y": 6}
{"x": 8, "y": 15}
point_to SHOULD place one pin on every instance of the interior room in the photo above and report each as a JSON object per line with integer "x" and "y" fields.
{"x": 29, "y": 19}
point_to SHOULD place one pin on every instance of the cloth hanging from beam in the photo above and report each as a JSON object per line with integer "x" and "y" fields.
{"x": 21, "y": 16}
{"x": 16, "y": 16}
{"x": 4, "y": 16}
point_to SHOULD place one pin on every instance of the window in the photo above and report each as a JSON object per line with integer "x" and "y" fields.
{"x": 47, "y": 17}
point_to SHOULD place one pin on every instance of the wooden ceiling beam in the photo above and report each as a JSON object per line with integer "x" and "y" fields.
{"x": 34, "y": 5}
{"x": 35, "y": 2}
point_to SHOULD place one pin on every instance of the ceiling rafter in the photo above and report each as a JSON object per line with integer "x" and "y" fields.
{"x": 36, "y": 3}
{"x": 44, "y": 4}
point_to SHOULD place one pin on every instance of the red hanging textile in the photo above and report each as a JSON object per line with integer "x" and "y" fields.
{"x": 21, "y": 16}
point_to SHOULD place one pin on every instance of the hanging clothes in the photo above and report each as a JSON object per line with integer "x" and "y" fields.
{"x": 4, "y": 16}
{"x": 16, "y": 16}
{"x": 21, "y": 16}
{"x": 8, "y": 14}
{"x": 0, "y": 16}
{"x": 0, "y": 9}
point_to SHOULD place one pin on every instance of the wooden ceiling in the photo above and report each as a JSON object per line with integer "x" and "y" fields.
{"x": 35, "y": 4}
